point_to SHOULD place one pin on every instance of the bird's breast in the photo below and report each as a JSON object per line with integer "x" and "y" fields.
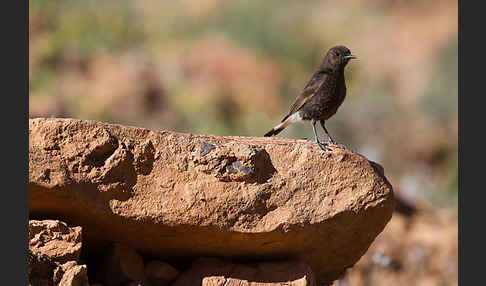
{"x": 334, "y": 97}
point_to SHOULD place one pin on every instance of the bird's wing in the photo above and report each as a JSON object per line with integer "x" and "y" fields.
{"x": 307, "y": 92}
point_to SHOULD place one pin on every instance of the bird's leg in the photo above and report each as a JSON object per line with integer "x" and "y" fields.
{"x": 327, "y": 133}
{"x": 317, "y": 138}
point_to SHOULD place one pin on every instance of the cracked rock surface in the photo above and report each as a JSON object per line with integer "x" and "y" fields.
{"x": 182, "y": 196}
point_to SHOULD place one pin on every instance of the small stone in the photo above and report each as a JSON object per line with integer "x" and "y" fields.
{"x": 61, "y": 269}
{"x": 121, "y": 265}
{"x": 160, "y": 273}
{"x": 210, "y": 272}
{"x": 75, "y": 276}
{"x": 55, "y": 239}
{"x": 205, "y": 148}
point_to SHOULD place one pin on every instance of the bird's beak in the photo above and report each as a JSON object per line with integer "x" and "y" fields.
{"x": 350, "y": 57}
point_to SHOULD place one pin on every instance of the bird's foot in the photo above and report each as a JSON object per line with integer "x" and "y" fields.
{"x": 332, "y": 142}
{"x": 323, "y": 146}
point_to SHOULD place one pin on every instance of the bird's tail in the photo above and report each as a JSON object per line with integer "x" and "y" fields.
{"x": 277, "y": 129}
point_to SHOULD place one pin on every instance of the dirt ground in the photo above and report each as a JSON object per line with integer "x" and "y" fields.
{"x": 419, "y": 246}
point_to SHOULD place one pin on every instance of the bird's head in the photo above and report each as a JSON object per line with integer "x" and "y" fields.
{"x": 337, "y": 57}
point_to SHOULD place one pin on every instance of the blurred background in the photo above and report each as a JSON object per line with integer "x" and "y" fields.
{"x": 235, "y": 67}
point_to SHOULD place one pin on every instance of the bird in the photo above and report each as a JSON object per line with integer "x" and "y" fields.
{"x": 321, "y": 96}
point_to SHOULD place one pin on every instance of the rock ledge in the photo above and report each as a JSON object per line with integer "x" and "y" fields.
{"x": 183, "y": 196}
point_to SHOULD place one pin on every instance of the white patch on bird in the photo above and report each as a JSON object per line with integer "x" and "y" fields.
{"x": 296, "y": 117}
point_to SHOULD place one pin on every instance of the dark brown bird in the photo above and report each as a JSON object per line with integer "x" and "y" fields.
{"x": 322, "y": 95}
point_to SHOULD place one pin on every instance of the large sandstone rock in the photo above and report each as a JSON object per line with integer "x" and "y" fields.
{"x": 180, "y": 196}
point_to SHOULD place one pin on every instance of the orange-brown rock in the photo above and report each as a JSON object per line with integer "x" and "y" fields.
{"x": 55, "y": 239}
{"x": 41, "y": 269}
{"x": 61, "y": 269}
{"x": 54, "y": 253}
{"x": 76, "y": 275}
{"x": 214, "y": 272}
{"x": 180, "y": 196}
{"x": 160, "y": 273}
{"x": 121, "y": 265}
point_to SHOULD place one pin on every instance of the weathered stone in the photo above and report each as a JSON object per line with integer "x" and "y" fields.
{"x": 247, "y": 198}
{"x": 61, "y": 269}
{"x": 160, "y": 273}
{"x": 121, "y": 265}
{"x": 41, "y": 269}
{"x": 55, "y": 239}
{"x": 76, "y": 275}
{"x": 53, "y": 246}
{"x": 209, "y": 272}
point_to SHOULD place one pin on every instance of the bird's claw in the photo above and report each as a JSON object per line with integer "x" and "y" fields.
{"x": 332, "y": 142}
{"x": 323, "y": 146}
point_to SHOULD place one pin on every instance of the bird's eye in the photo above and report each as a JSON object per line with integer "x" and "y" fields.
{"x": 337, "y": 54}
